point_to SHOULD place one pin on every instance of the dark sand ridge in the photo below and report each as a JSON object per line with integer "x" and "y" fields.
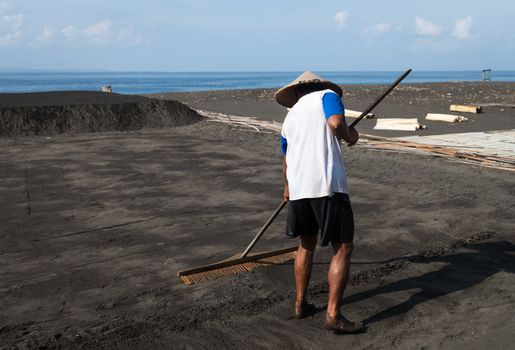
{"x": 115, "y": 215}
{"x": 406, "y": 101}
{"x": 66, "y": 98}
{"x": 51, "y": 113}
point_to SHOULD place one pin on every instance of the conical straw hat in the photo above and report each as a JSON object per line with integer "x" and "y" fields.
{"x": 286, "y": 95}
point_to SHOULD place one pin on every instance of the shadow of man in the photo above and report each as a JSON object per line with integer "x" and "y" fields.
{"x": 463, "y": 270}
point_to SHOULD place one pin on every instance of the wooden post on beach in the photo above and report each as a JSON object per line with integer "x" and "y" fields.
{"x": 465, "y": 108}
{"x": 486, "y": 74}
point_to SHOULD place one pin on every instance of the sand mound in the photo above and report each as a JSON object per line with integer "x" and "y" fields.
{"x": 54, "y": 113}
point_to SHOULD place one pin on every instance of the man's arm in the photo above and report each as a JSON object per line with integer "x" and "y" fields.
{"x": 335, "y": 115}
{"x": 284, "y": 148}
{"x": 286, "y": 192}
{"x": 340, "y": 129}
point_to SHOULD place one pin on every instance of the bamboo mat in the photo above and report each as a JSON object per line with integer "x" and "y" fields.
{"x": 485, "y": 149}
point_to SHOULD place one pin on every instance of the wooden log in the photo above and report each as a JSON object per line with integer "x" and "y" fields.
{"x": 502, "y": 105}
{"x": 450, "y": 118}
{"x": 355, "y": 114}
{"x": 465, "y": 109}
{"x": 406, "y": 124}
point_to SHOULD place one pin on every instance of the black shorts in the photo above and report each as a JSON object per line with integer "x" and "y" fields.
{"x": 331, "y": 215}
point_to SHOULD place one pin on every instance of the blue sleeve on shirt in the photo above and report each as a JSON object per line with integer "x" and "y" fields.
{"x": 284, "y": 145}
{"x": 332, "y": 105}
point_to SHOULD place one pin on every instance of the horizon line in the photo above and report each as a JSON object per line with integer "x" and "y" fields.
{"x": 86, "y": 70}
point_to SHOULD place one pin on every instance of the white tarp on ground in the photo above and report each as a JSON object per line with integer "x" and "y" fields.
{"x": 405, "y": 124}
{"x": 446, "y": 118}
{"x": 500, "y": 143}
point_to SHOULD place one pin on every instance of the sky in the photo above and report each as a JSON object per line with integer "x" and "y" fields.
{"x": 264, "y": 35}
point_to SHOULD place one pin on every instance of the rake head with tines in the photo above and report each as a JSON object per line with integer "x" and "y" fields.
{"x": 240, "y": 263}
{"x": 233, "y": 266}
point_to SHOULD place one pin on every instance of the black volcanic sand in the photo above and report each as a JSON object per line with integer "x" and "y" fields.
{"x": 406, "y": 101}
{"x": 65, "y": 98}
{"x": 90, "y": 260}
{"x": 68, "y": 112}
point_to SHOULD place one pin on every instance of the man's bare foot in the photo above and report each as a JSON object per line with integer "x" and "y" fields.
{"x": 342, "y": 325}
{"x": 301, "y": 308}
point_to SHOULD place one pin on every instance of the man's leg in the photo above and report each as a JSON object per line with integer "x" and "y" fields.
{"x": 303, "y": 266}
{"x": 337, "y": 278}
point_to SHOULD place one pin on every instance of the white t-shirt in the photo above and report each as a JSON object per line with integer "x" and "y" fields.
{"x": 314, "y": 159}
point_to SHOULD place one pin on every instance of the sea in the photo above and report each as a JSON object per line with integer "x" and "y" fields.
{"x": 156, "y": 82}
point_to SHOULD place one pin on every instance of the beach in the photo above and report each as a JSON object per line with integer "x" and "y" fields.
{"x": 97, "y": 222}
{"x": 406, "y": 101}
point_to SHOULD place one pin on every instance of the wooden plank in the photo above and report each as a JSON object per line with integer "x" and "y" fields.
{"x": 465, "y": 108}
{"x": 355, "y": 114}
{"x": 407, "y": 124}
{"x": 450, "y": 118}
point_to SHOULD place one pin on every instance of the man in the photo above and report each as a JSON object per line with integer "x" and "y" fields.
{"x": 316, "y": 187}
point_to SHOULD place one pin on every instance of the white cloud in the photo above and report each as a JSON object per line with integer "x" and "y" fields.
{"x": 425, "y": 27}
{"x": 10, "y": 26}
{"x": 129, "y": 36}
{"x": 462, "y": 27}
{"x": 45, "y": 36}
{"x": 98, "y": 31}
{"x": 342, "y": 19}
{"x": 14, "y": 21}
{"x": 3, "y": 7}
{"x": 10, "y": 37}
{"x": 379, "y": 28}
{"x": 70, "y": 32}
{"x": 102, "y": 32}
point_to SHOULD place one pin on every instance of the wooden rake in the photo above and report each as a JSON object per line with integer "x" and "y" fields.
{"x": 245, "y": 262}
{"x": 241, "y": 262}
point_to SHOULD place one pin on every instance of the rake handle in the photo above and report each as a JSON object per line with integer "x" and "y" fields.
{"x": 380, "y": 98}
{"x": 263, "y": 229}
